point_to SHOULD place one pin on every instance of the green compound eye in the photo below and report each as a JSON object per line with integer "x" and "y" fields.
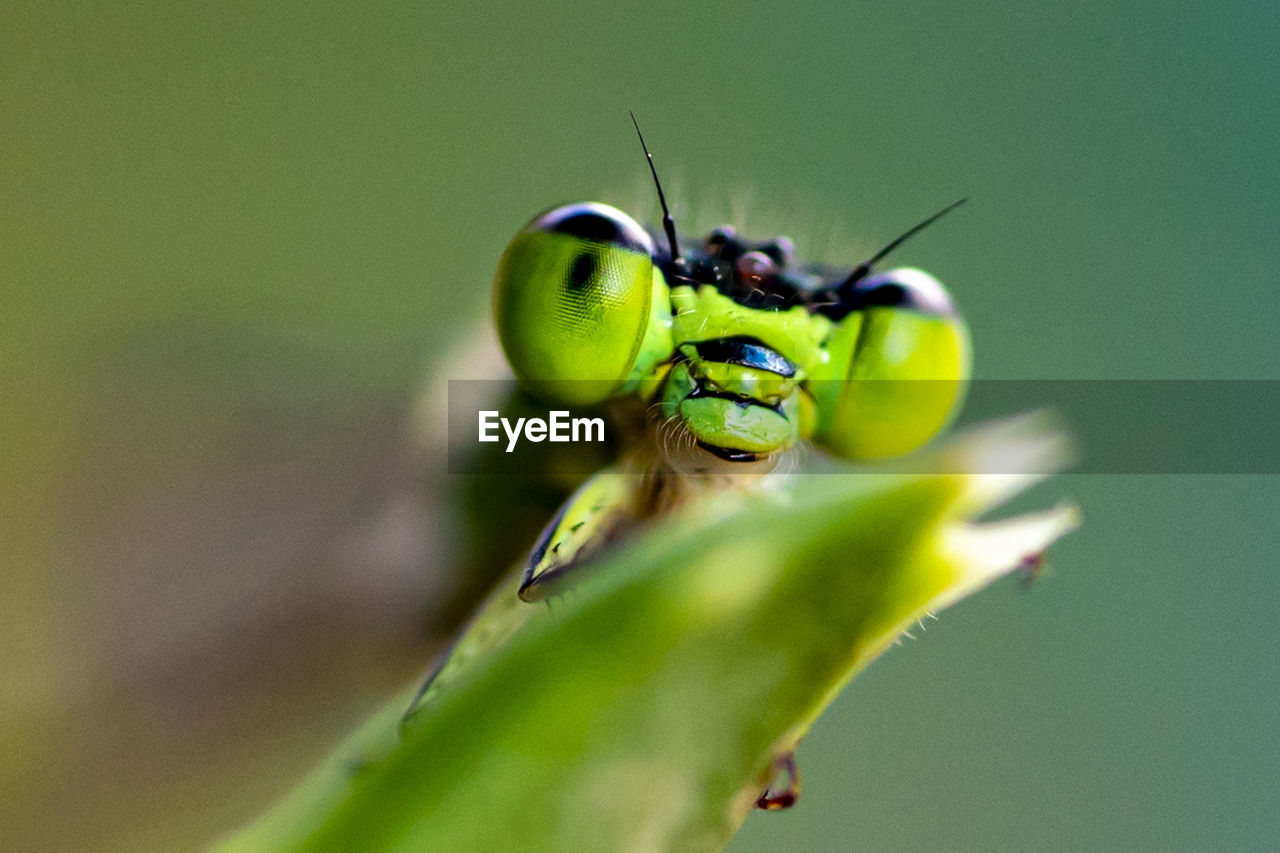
{"x": 899, "y": 361}
{"x": 580, "y": 309}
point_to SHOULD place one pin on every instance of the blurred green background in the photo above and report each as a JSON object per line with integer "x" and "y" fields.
{"x": 234, "y": 239}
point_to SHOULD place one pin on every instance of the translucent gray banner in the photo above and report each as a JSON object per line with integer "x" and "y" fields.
{"x": 1116, "y": 426}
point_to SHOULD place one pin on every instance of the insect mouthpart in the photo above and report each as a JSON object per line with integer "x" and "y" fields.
{"x": 735, "y": 396}
{"x": 744, "y": 352}
{"x": 729, "y": 455}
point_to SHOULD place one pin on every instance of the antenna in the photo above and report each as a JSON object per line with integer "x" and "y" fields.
{"x": 668, "y": 223}
{"x": 861, "y": 270}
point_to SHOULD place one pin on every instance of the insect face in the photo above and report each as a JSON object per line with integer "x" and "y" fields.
{"x": 746, "y": 352}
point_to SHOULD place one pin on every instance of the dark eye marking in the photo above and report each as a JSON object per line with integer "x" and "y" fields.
{"x": 920, "y": 299}
{"x": 582, "y": 271}
{"x": 889, "y": 295}
{"x": 586, "y": 222}
{"x": 746, "y": 352}
{"x": 919, "y": 294}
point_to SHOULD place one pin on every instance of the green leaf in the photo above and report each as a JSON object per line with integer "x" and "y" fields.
{"x": 643, "y": 709}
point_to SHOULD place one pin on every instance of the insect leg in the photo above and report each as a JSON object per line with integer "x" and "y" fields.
{"x": 784, "y": 787}
{"x": 595, "y": 514}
